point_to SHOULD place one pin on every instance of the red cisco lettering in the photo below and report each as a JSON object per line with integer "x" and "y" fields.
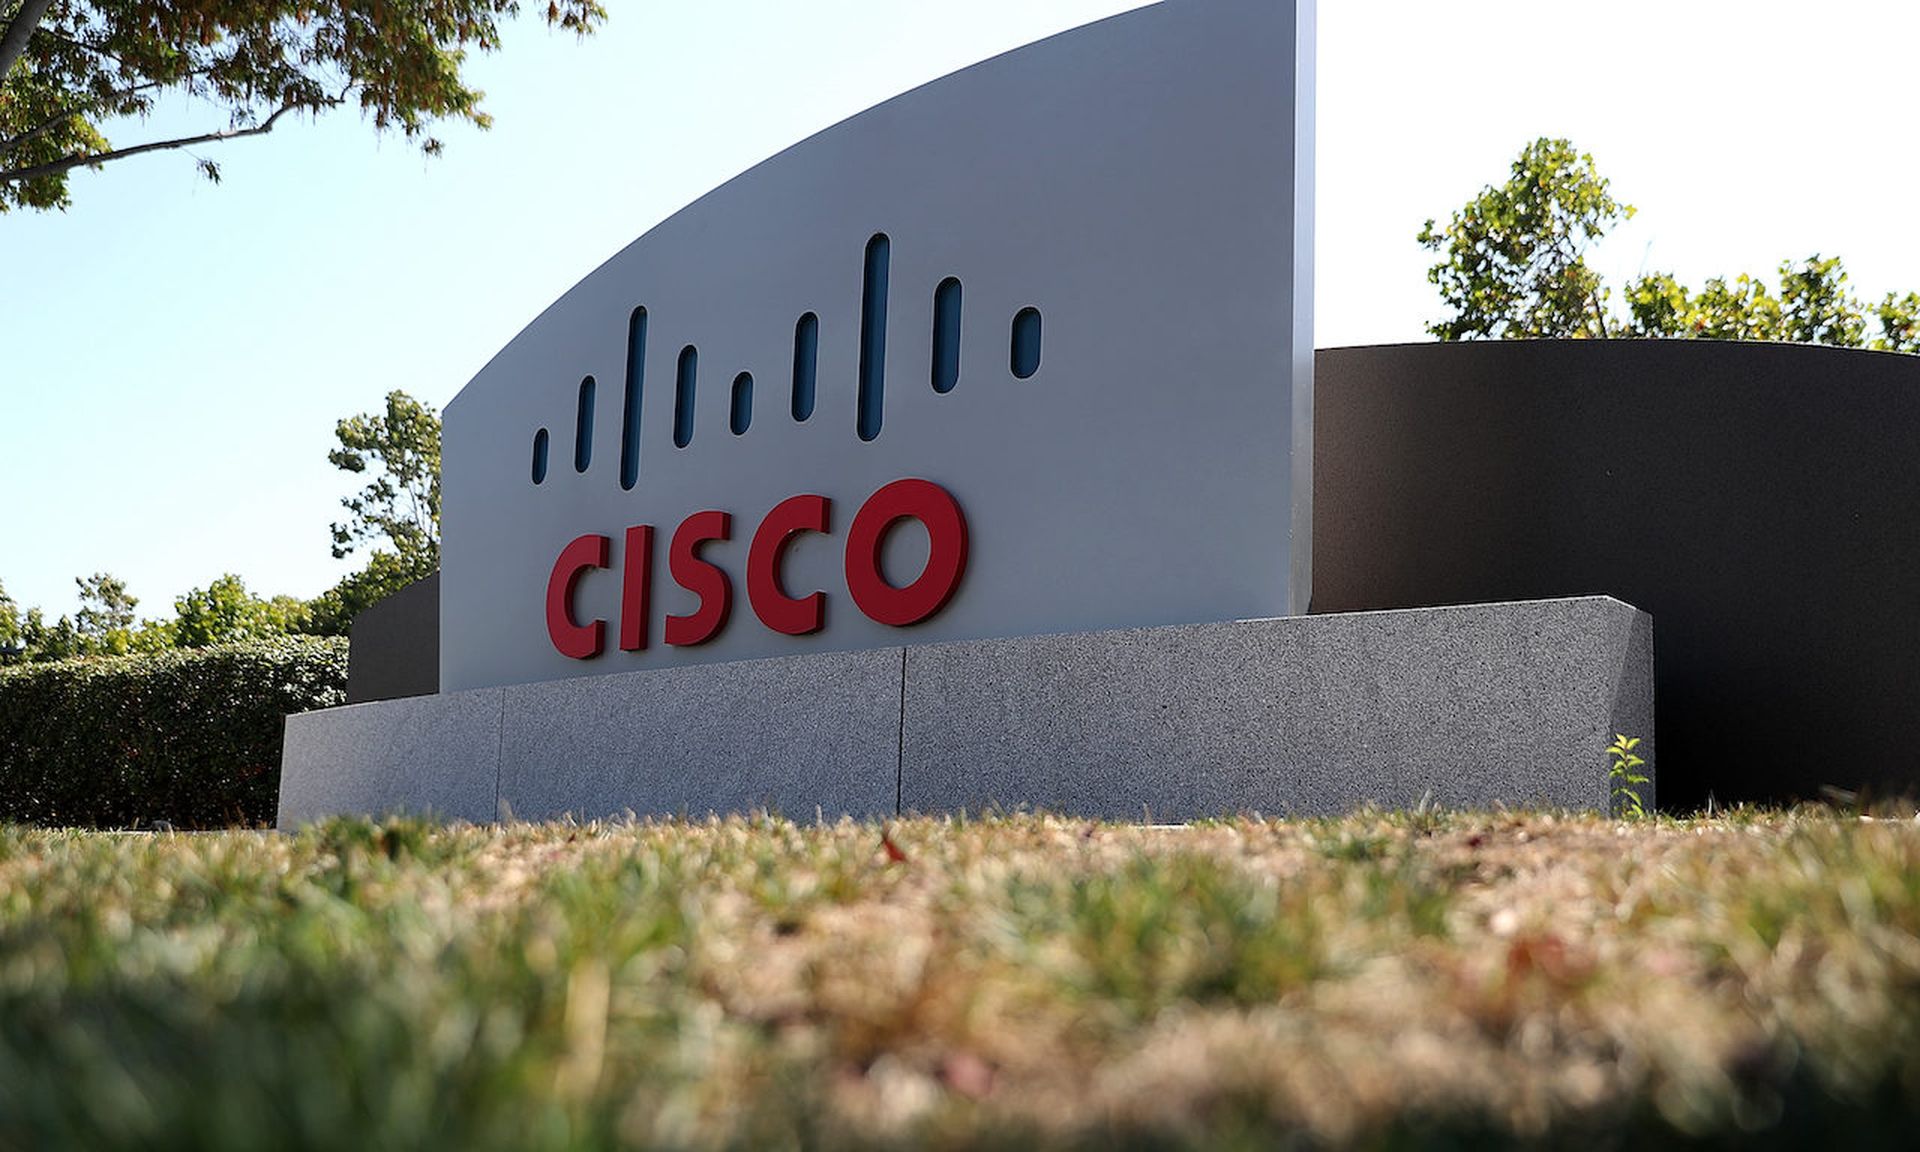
{"x": 703, "y": 579}
{"x": 934, "y": 507}
{"x": 908, "y": 499}
{"x": 580, "y": 641}
{"x": 634, "y": 588}
{"x": 777, "y": 610}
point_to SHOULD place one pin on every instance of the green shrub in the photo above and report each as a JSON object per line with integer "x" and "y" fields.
{"x": 188, "y": 737}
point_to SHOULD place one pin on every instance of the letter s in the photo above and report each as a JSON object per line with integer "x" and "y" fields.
{"x": 699, "y": 577}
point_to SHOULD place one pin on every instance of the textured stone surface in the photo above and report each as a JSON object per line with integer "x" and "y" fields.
{"x": 1507, "y": 703}
{"x": 793, "y": 734}
{"x": 1468, "y": 706}
{"x": 426, "y": 755}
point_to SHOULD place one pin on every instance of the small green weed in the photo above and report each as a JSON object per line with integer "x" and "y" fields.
{"x": 1625, "y": 781}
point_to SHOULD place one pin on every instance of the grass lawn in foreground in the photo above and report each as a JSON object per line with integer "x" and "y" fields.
{"x": 1374, "y": 981}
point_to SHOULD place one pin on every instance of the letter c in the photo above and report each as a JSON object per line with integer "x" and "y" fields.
{"x": 777, "y": 610}
{"x": 578, "y": 641}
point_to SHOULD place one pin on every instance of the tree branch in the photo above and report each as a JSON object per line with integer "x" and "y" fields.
{"x": 92, "y": 104}
{"x": 1599, "y": 312}
{"x": 19, "y": 31}
{"x": 86, "y": 47}
{"x": 37, "y": 131}
{"x": 68, "y": 163}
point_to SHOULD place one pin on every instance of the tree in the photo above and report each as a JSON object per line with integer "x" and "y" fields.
{"x": 23, "y": 635}
{"x": 70, "y": 68}
{"x": 1515, "y": 255}
{"x": 331, "y": 613}
{"x": 1899, "y": 323}
{"x": 401, "y": 504}
{"x": 105, "y": 621}
{"x": 1514, "y": 266}
{"x": 10, "y": 625}
{"x": 225, "y": 611}
{"x": 399, "y": 507}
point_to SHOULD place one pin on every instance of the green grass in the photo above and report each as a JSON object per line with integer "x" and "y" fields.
{"x": 1376, "y": 981}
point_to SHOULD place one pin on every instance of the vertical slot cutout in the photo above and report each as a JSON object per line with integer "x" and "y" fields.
{"x": 740, "y": 415}
{"x": 636, "y": 381}
{"x": 684, "y": 380}
{"x": 583, "y": 428}
{"x": 806, "y": 364}
{"x": 873, "y": 337}
{"x": 946, "y": 335}
{"x": 1025, "y": 354}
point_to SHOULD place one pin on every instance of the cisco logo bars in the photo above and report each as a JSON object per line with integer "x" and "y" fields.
{"x": 1023, "y": 359}
{"x": 908, "y": 498}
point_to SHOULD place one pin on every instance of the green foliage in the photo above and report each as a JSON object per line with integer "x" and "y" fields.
{"x": 1742, "y": 310}
{"x": 401, "y": 502}
{"x": 11, "y": 622}
{"x": 1624, "y": 780}
{"x": 224, "y": 612}
{"x": 104, "y": 625}
{"x": 190, "y": 737}
{"x": 1657, "y": 305}
{"x": 331, "y": 613}
{"x": 1816, "y": 306}
{"x": 1899, "y": 319}
{"x": 70, "y": 67}
{"x": 398, "y": 512}
{"x": 105, "y": 620}
{"x": 1514, "y": 267}
{"x": 221, "y": 613}
{"x": 1514, "y": 258}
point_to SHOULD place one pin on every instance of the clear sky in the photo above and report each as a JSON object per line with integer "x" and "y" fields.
{"x": 173, "y": 354}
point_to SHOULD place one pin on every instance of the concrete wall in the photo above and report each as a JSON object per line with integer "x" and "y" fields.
{"x": 1303, "y": 715}
{"x": 1762, "y": 502}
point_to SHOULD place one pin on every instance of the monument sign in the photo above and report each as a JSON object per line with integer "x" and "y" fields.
{"x": 960, "y": 455}
{"x": 1025, "y": 350}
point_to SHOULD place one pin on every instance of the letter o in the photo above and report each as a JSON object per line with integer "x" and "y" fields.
{"x": 946, "y": 525}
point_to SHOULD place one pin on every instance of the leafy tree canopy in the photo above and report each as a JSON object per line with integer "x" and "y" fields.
{"x": 397, "y": 514}
{"x": 69, "y": 69}
{"x": 1513, "y": 265}
{"x": 332, "y": 612}
{"x": 105, "y": 620}
{"x": 10, "y": 621}
{"x": 224, "y": 612}
{"x": 1515, "y": 256}
{"x": 400, "y": 449}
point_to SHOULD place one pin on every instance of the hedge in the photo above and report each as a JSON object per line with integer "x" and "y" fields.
{"x": 189, "y": 737}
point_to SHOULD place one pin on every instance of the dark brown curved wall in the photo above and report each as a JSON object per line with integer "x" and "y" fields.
{"x": 394, "y": 649}
{"x": 1761, "y": 501}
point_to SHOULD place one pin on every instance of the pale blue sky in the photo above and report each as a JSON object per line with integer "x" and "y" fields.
{"x": 173, "y": 353}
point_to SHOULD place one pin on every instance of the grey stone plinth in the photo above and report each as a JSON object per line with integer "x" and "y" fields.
{"x": 1468, "y": 706}
{"x": 796, "y": 735}
{"x": 427, "y": 755}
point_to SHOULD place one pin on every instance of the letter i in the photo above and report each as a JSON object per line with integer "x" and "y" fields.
{"x": 635, "y": 584}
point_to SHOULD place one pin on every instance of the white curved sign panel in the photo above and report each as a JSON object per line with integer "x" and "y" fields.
{"x": 1027, "y": 349}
